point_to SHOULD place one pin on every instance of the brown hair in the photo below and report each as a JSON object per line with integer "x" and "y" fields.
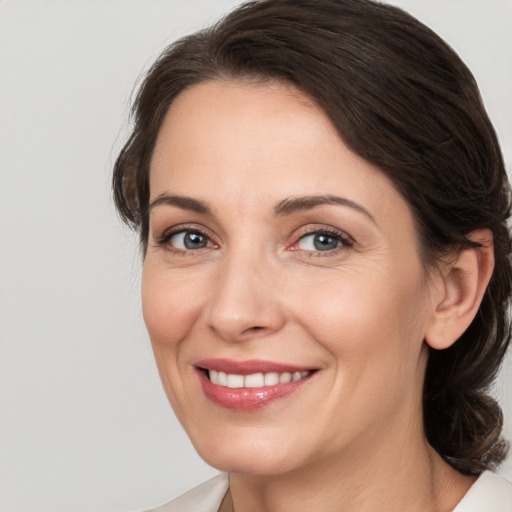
{"x": 402, "y": 99}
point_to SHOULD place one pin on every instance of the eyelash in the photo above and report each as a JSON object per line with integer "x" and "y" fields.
{"x": 345, "y": 242}
{"x": 165, "y": 238}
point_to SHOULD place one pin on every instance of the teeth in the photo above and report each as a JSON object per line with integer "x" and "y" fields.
{"x": 285, "y": 377}
{"x": 271, "y": 379}
{"x": 235, "y": 381}
{"x": 255, "y": 380}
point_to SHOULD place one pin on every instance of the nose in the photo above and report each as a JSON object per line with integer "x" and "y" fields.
{"x": 245, "y": 302}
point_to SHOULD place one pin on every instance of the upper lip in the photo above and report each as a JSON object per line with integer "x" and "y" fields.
{"x": 249, "y": 367}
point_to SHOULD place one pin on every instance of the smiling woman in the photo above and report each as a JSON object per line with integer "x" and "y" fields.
{"x": 322, "y": 206}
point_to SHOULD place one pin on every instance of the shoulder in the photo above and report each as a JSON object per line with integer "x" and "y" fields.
{"x": 206, "y": 497}
{"x": 490, "y": 493}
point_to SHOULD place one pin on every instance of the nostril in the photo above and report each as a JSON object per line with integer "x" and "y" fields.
{"x": 256, "y": 330}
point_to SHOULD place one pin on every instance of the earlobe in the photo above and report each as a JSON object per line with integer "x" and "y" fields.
{"x": 463, "y": 282}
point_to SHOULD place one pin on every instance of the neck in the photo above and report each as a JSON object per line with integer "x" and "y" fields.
{"x": 401, "y": 475}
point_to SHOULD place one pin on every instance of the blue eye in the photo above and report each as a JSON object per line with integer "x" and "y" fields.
{"x": 319, "y": 242}
{"x": 188, "y": 240}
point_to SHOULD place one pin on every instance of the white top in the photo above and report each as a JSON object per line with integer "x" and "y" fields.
{"x": 490, "y": 493}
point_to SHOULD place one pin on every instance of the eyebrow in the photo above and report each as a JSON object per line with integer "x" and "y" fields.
{"x": 186, "y": 203}
{"x": 285, "y": 207}
{"x": 295, "y": 204}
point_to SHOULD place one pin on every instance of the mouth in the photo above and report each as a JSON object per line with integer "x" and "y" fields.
{"x": 254, "y": 380}
{"x": 249, "y": 385}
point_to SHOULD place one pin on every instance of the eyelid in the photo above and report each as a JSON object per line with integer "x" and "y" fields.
{"x": 164, "y": 238}
{"x": 346, "y": 240}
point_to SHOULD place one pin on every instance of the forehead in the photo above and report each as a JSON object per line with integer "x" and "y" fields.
{"x": 227, "y": 141}
{"x": 237, "y": 123}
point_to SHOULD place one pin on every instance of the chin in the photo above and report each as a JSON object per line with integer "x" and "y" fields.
{"x": 245, "y": 455}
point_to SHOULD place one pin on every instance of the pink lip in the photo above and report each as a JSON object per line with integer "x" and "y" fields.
{"x": 247, "y": 399}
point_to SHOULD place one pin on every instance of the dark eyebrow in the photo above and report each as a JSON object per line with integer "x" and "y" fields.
{"x": 187, "y": 203}
{"x": 295, "y": 204}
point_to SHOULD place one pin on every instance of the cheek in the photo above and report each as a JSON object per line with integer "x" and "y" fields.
{"x": 169, "y": 306}
{"x": 372, "y": 330}
{"x": 367, "y": 316}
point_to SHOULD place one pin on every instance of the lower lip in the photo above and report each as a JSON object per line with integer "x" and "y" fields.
{"x": 247, "y": 399}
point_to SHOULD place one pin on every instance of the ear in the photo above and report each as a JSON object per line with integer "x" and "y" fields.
{"x": 463, "y": 282}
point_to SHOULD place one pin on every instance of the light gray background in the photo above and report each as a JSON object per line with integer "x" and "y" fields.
{"x": 84, "y": 424}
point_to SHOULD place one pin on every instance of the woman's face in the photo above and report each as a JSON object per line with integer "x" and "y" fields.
{"x": 284, "y": 268}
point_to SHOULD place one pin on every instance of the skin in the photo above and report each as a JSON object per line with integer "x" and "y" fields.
{"x": 351, "y": 438}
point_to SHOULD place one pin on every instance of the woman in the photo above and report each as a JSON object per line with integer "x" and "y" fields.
{"x": 322, "y": 207}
